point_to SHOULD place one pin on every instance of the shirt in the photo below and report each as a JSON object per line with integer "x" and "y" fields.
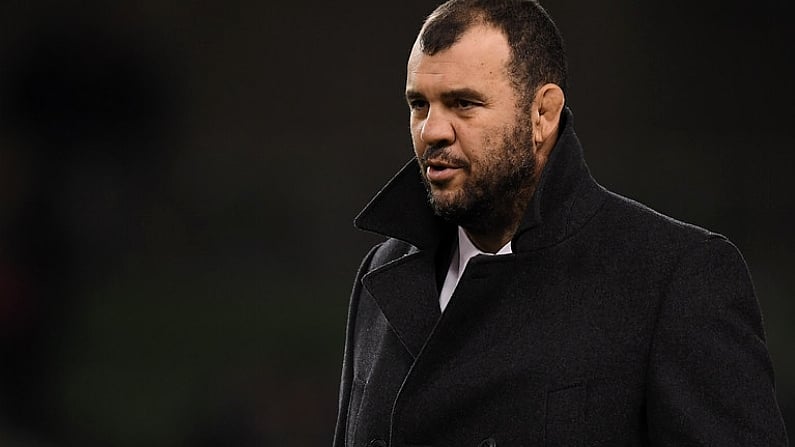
{"x": 465, "y": 251}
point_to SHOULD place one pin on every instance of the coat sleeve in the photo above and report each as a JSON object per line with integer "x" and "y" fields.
{"x": 710, "y": 375}
{"x": 346, "y": 380}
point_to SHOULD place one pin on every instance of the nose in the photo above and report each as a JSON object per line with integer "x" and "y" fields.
{"x": 437, "y": 129}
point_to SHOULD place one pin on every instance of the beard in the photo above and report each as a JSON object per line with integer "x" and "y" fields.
{"x": 498, "y": 187}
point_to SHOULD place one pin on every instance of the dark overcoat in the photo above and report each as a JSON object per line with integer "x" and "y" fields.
{"x": 609, "y": 325}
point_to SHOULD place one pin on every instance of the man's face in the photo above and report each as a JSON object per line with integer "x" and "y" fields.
{"x": 471, "y": 134}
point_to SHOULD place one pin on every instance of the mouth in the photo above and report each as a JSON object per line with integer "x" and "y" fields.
{"x": 440, "y": 171}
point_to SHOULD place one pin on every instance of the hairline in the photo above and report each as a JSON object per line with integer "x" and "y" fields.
{"x": 479, "y": 18}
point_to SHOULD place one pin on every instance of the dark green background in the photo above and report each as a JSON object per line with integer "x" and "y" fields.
{"x": 178, "y": 181}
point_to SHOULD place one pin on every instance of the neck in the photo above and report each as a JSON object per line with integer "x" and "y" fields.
{"x": 498, "y": 228}
{"x": 489, "y": 243}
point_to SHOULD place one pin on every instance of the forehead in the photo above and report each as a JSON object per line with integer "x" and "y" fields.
{"x": 481, "y": 55}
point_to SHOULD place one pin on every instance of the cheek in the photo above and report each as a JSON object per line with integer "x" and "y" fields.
{"x": 475, "y": 145}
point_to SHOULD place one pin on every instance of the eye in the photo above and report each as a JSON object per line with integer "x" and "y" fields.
{"x": 465, "y": 104}
{"x": 418, "y": 104}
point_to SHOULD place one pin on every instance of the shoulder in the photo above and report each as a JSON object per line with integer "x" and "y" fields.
{"x": 636, "y": 222}
{"x": 634, "y": 237}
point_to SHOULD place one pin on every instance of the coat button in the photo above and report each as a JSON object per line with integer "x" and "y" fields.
{"x": 377, "y": 443}
{"x": 488, "y": 442}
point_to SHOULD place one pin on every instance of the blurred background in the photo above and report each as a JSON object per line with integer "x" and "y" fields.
{"x": 178, "y": 181}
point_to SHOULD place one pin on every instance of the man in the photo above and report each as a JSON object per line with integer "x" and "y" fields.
{"x": 515, "y": 301}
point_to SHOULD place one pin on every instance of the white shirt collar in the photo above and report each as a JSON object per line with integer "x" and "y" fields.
{"x": 468, "y": 250}
{"x": 465, "y": 251}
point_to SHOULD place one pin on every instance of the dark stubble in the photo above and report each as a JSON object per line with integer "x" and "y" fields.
{"x": 497, "y": 192}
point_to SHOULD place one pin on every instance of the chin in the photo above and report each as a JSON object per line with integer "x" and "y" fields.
{"x": 447, "y": 203}
{"x": 444, "y": 198}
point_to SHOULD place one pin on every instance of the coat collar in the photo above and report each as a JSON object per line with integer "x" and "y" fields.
{"x": 566, "y": 197}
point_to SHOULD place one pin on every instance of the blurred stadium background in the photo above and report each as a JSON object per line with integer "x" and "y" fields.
{"x": 178, "y": 181}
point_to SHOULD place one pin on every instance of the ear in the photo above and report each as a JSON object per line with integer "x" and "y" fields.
{"x": 547, "y": 107}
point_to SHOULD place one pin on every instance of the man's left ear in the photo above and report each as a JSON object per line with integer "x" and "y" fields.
{"x": 549, "y": 102}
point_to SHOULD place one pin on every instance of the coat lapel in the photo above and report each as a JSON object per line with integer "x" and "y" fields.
{"x": 406, "y": 288}
{"x": 407, "y": 294}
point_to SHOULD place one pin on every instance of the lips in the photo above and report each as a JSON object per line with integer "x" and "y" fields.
{"x": 440, "y": 171}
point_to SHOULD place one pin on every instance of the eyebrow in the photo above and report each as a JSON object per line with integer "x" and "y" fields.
{"x": 412, "y": 95}
{"x": 450, "y": 95}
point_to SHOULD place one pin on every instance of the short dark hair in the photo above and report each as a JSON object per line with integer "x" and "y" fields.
{"x": 538, "y": 54}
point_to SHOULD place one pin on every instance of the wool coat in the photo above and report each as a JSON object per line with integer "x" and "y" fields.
{"x": 609, "y": 325}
